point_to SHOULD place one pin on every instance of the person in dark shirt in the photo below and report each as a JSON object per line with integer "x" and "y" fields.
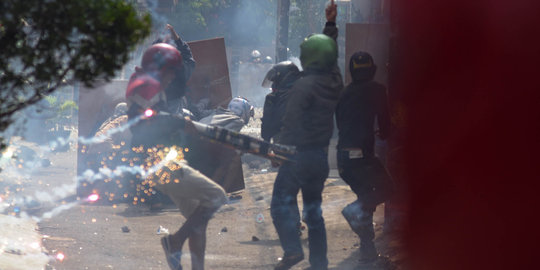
{"x": 362, "y": 103}
{"x": 280, "y": 78}
{"x": 308, "y": 124}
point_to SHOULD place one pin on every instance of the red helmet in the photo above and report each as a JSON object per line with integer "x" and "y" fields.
{"x": 161, "y": 56}
{"x": 144, "y": 90}
{"x": 144, "y": 86}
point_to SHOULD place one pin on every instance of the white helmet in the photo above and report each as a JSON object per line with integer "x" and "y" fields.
{"x": 241, "y": 107}
{"x": 255, "y": 54}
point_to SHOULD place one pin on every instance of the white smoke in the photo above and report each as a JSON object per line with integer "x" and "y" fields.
{"x": 157, "y": 19}
{"x": 55, "y": 211}
{"x": 51, "y": 196}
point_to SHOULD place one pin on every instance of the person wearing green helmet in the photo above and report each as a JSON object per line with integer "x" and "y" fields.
{"x": 318, "y": 52}
{"x": 308, "y": 125}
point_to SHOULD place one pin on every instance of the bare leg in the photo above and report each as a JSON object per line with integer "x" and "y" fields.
{"x": 198, "y": 219}
{"x": 197, "y": 247}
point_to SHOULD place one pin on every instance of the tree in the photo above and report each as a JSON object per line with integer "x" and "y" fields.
{"x": 47, "y": 44}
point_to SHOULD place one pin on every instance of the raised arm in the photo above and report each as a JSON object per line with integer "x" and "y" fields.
{"x": 331, "y": 12}
{"x": 330, "y": 28}
{"x": 185, "y": 50}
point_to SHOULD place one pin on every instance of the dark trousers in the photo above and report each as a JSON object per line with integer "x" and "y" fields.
{"x": 372, "y": 185}
{"x": 306, "y": 173}
{"x": 367, "y": 177}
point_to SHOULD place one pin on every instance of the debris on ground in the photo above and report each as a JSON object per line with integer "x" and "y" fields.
{"x": 162, "y": 230}
{"x": 259, "y": 218}
{"x": 235, "y": 197}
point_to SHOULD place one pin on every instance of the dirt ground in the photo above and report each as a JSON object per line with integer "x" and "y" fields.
{"x": 106, "y": 235}
{"x": 91, "y": 237}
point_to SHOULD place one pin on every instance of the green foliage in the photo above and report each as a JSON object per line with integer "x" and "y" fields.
{"x": 62, "y": 110}
{"x": 45, "y": 44}
{"x": 61, "y": 107}
{"x": 68, "y": 105}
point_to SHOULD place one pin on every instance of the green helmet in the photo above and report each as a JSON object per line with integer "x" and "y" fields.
{"x": 318, "y": 51}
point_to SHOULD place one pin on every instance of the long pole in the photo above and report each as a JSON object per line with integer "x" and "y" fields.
{"x": 229, "y": 138}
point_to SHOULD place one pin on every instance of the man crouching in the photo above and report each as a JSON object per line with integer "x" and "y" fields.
{"x": 157, "y": 140}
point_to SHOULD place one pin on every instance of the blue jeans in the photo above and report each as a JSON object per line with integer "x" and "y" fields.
{"x": 306, "y": 172}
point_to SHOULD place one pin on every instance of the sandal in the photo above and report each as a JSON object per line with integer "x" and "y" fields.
{"x": 173, "y": 259}
{"x": 289, "y": 261}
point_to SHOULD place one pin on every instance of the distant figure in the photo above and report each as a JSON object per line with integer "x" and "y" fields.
{"x": 363, "y": 102}
{"x": 250, "y": 75}
{"x": 280, "y": 78}
{"x": 268, "y": 60}
{"x": 255, "y": 57}
{"x": 308, "y": 124}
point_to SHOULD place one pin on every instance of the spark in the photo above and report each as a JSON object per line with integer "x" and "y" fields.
{"x": 93, "y": 197}
{"x": 171, "y": 155}
{"x": 60, "y": 256}
{"x": 148, "y": 113}
{"x": 8, "y": 153}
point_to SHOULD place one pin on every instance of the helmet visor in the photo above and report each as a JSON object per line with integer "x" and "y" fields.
{"x": 269, "y": 78}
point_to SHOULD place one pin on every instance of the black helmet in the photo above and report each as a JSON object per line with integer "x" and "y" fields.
{"x": 280, "y": 74}
{"x": 362, "y": 67}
